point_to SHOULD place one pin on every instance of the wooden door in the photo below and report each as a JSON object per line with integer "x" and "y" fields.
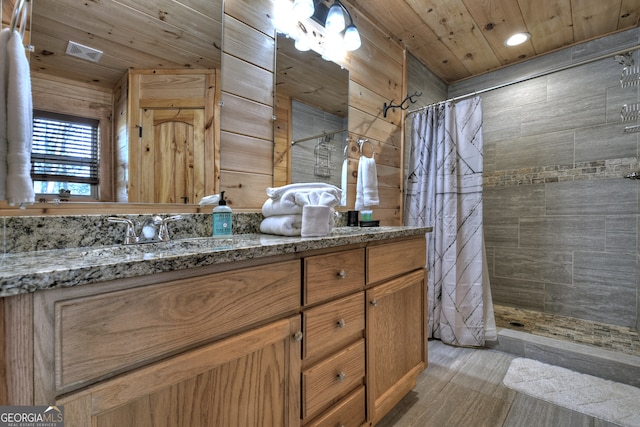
{"x": 252, "y": 379}
{"x": 173, "y": 155}
{"x": 396, "y": 340}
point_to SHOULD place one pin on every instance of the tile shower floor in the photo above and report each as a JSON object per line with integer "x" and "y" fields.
{"x": 602, "y": 335}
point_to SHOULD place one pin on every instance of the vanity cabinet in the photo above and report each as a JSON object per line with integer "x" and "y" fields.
{"x": 333, "y": 364}
{"x": 396, "y": 315}
{"x": 247, "y": 380}
{"x": 219, "y": 348}
{"x": 322, "y": 337}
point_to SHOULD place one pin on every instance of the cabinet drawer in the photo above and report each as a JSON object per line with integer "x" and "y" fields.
{"x": 393, "y": 259}
{"x": 332, "y": 275}
{"x": 330, "y": 380}
{"x": 349, "y": 412}
{"x": 104, "y": 334}
{"x": 332, "y": 325}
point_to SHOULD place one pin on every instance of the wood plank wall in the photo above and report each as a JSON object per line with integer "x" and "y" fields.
{"x": 246, "y": 122}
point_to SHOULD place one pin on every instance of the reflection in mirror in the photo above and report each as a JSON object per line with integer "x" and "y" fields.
{"x": 130, "y": 34}
{"x": 316, "y": 93}
{"x": 83, "y": 50}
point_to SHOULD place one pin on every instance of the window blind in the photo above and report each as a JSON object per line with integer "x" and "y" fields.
{"x": 64, "y": 148}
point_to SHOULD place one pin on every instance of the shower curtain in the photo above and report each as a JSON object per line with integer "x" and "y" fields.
{"x": 444, "y": 190}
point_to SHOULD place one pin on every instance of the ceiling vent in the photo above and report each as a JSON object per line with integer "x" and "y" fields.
{"x": 83, "y": 52}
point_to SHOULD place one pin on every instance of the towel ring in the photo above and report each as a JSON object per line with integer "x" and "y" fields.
{"x": 361, "y": 142}
{"x": 19, "y": 18}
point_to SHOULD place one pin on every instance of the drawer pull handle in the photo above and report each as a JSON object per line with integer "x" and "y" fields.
{"x": 374, "y": 303}
{"x": 342, "y": 274}
{"x": 297, "y": 336}
{"x": 341, "y": 376}
{"x": 341, "y": 323}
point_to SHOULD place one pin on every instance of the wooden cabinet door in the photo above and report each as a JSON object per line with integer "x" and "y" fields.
{"x": 173, "y": 166}
{"x": 396, "y": 340}
{"x": 252, "y": 379}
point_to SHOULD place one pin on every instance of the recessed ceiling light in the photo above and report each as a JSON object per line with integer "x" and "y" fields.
{"x": 517, "y": 38}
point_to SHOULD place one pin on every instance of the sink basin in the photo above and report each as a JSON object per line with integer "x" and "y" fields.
{"x": 177, "y": 247}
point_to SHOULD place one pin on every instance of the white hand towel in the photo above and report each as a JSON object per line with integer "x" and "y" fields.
{"x": 283, "y": 225}
{"x": 367, "y": 183}
{"x": 4, "y": 38}
{"x": 19, "y": 125}
{"x": 344, "y": 180}
{"x": 317, "y": 221}
{"x": 285, "y": 206}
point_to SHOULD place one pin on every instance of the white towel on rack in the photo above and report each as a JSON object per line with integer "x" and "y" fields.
{"x": 19, "y": 124}
{"x": 4, "y": 74}
{"x": 283, "y": 225}
{"x": 344, "y": 181}
{"x": 367, "y": 183}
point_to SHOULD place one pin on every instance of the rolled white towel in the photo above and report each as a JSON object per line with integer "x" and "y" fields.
{"x": 277, "y": 192}
{"x": 317, "y": 221}
{"x": 283, "y": 225}
{"x": 280, "y": 207}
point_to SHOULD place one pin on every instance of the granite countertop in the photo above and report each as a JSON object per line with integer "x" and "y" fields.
{"x": 32, "y": 271}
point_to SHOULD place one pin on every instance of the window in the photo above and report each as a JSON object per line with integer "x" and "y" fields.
{"x": 64, "y": 154}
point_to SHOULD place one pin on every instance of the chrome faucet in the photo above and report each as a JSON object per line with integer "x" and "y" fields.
{"x": 163, "y": 233}
{"x": 130, "y": 237}
{"x": 154, "y": 229}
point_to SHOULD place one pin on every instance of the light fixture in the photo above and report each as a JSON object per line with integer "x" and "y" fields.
{"x": 516, "y": 39}
{"x": 335, "y": 18}
{"x": 352, "y": 38}
{"x": 335, "y": 23}
{"x": 303, "y": 8}
{"x": 289, "y": 18}
{"x": 302, "y": 44}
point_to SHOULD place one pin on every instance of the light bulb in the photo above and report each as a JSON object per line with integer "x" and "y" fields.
{"x": 333, "y": 49}
{"x": 303, "y": 8}
{"x": 352, "y": 38}
{"x": 335, "y": 19}
{"x": 302, "y": 44}
{"x": 517, "y": 39}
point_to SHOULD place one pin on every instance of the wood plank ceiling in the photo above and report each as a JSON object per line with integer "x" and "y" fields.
{"x": 131, "y": 34}
{"x": 455, "y": 39}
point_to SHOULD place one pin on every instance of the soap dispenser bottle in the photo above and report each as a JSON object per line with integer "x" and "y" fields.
{"x": 222, "y": 218}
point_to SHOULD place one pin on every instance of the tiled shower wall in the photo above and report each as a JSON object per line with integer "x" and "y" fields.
{"x": 560, "y": 220}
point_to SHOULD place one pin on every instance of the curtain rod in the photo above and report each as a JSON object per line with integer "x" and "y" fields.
{"x": 524, "y": 79}
{"x": 321, "y": 135}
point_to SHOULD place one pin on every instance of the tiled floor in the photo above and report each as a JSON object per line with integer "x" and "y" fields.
{"x": 608, "y": 337}
{"x": 462, "y": 387}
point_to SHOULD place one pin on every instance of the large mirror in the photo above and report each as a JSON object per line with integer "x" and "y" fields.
{"x": 80, "y": 49}
{"x": 315, "y": 92}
